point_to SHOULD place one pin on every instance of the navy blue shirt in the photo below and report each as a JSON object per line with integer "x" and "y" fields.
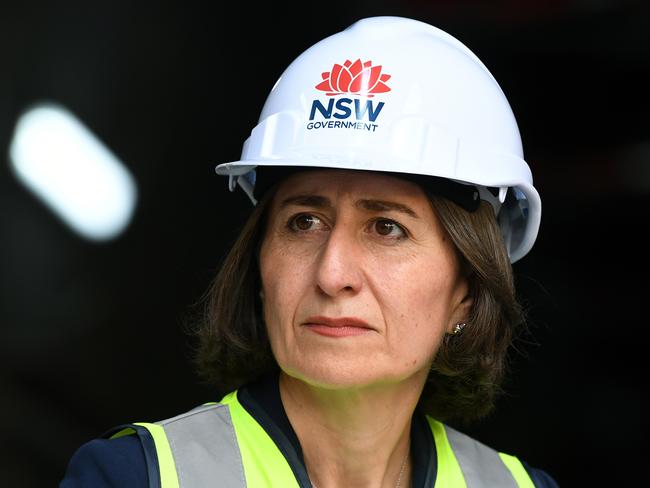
{"x": 104, "y": 463}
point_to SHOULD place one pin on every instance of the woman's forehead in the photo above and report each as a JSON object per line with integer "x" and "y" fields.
{"x": 337, "y": 183}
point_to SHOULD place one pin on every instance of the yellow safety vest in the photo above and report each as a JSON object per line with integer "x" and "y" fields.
{"x": 221, "y": 442}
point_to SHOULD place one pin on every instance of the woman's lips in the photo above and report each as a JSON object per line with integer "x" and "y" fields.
{"x": 337, "y": 327}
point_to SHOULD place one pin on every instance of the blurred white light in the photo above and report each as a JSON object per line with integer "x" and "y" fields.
{"x": 72, "y": 172}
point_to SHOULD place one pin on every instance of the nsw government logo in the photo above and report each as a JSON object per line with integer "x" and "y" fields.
{"x": 360, "y": 82}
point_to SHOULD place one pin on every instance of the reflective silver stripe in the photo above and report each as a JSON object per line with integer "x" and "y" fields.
{"x": 205, "y": 448}
{"x": 481, "y": 465}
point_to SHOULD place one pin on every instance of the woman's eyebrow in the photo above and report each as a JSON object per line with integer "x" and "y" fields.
{"x": 383, "y": 205}
{"x": 315, "y": 201}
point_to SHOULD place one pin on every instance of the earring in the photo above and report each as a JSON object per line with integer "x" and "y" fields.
{"x": 459, "y": 327}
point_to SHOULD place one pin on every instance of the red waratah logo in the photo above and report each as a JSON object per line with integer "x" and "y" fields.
{"x": 356, "y": 78}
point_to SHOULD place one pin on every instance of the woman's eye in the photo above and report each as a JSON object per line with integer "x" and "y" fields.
{"x": 388, "y": 228}
{"x": 303, "y": 222}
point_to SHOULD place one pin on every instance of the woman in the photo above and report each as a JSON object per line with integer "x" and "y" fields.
{"x": 369, "y": 297}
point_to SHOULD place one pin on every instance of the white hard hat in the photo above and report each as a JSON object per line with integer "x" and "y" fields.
{"x": 397, "y": 95}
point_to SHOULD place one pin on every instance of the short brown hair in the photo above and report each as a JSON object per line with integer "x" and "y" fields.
{"x": 233, "y": 347}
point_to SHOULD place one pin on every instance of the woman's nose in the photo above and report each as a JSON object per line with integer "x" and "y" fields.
{"x": 338, "y": 265}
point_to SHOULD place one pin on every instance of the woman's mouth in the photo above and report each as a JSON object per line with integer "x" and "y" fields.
{"x": 337, "y": 326}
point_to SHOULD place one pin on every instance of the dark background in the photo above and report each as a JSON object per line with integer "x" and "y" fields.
{"x": 91, "y": 334}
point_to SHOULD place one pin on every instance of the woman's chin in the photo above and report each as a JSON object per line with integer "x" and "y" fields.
{"x": 341, "y": 376}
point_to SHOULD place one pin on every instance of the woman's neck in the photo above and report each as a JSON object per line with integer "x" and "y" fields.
{"x": 353, "y": 437}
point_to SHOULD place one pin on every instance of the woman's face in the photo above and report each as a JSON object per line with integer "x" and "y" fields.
{"x": 360, "y": 281}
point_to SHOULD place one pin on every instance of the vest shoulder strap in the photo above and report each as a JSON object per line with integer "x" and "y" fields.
{"x": 213, "y": 443}
{"x": 204, "y": 448}
{"x": 190, "y": 450}
{"x": 466, "y": 462}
